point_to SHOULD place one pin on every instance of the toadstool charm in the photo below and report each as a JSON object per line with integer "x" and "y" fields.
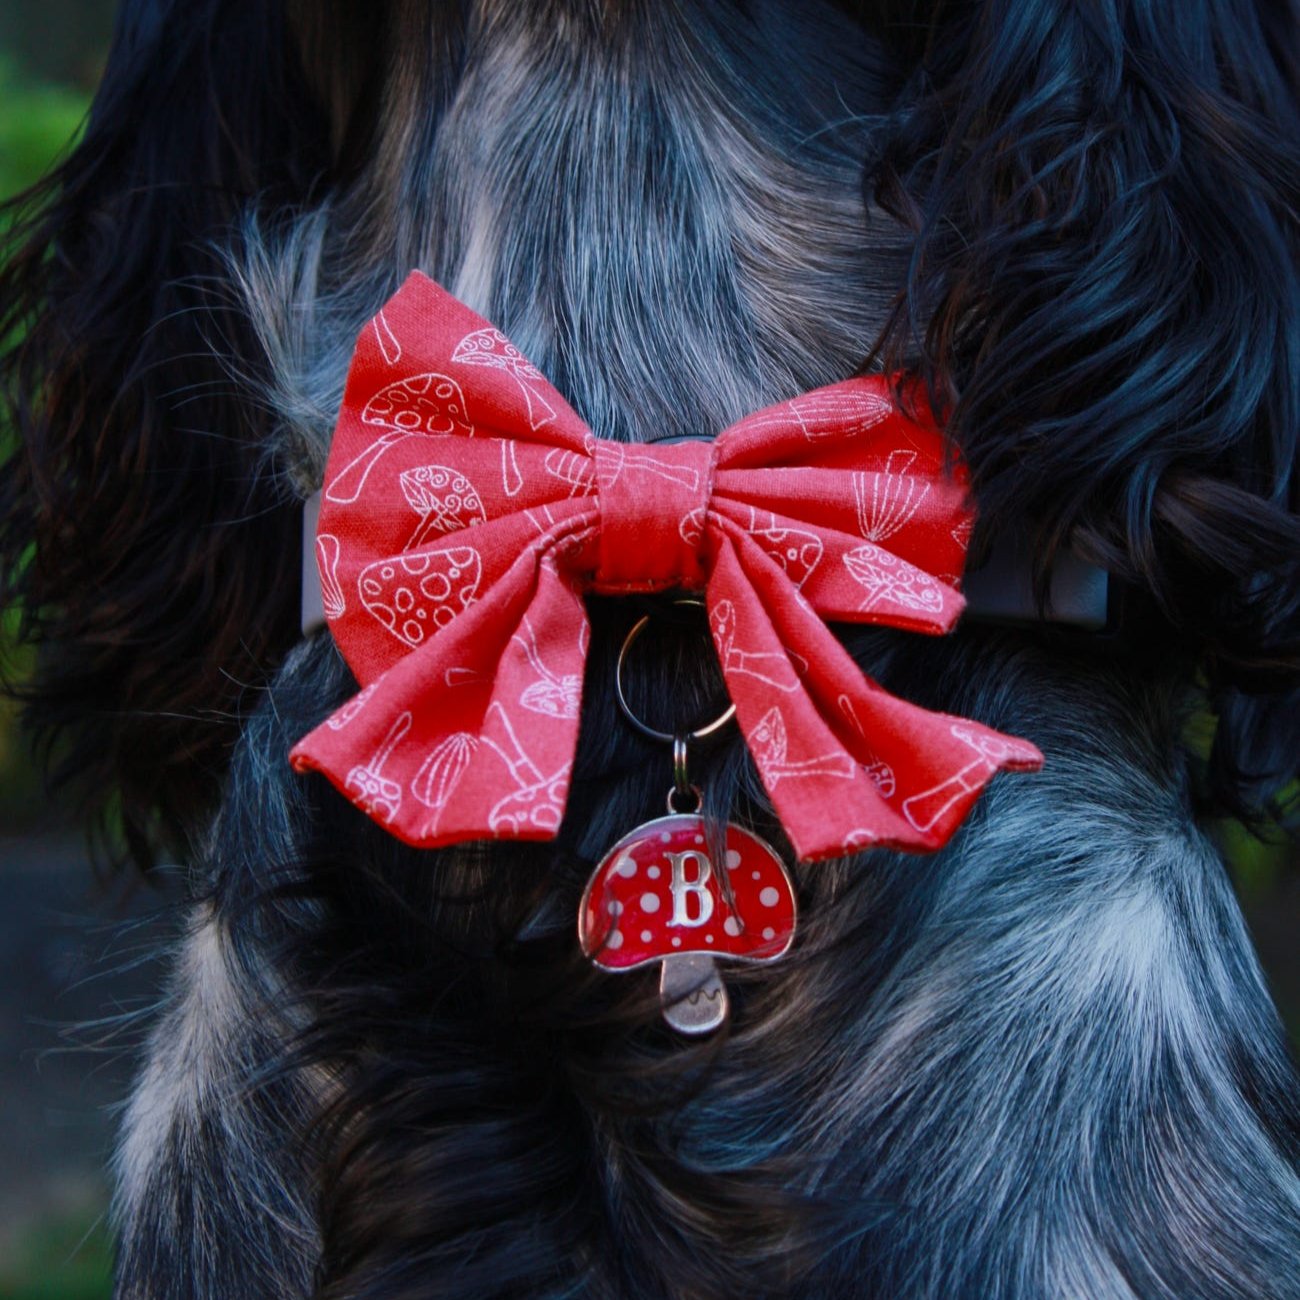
{"x": 657, "y": 896}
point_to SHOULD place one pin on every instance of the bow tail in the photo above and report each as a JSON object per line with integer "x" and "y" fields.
{"x": 437, "y": 749}
{"x": 847, "y": 765}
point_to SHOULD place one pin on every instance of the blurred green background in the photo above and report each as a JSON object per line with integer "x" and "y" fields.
{"x": 51, "y": 54}
{"x": 54, "y": 1094}
{"x": 59, "y": 934}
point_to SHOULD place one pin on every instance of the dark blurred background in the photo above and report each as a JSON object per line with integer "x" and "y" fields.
{"x": 75, "y": 971}
{"x": 78, "y": 953}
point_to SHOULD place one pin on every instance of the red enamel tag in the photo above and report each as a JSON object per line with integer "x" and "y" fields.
{"x": 658, "y": 896}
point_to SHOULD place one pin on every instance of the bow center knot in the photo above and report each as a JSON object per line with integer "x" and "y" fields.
{"x": 653, "y": 503}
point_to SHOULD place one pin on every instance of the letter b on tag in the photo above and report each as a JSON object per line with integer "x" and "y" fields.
{"x": 692, "y": 901}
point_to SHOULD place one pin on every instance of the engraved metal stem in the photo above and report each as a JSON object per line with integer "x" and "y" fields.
{"x": 694, "y": 999}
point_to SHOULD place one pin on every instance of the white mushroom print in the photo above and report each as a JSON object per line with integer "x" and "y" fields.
{"x": 489, "y": 347}
{"x": 657, "y": 896}
{"x": 926, "y": 809}
{"x": 377, "y": 795}
{"x": 340, "y": 719}
{"x": 327, "y": 563}
{"x": 553, "y": 694}
{"x": 390, "y": 346}
{"x": 440, "y": 773}
{"x": 444, "y": 499}
{"x": 620, "y": 459}
{"x": 880, "y": 772}
{"x": 833, "y": 413}
{"x": 767, "y": 666}
{"x": 887, "y": 501}
{"x": 415, "y": 593}
{"x": 769, "y": 743}
{"x": 691, "y": 528}
{"x": 887, "y": 579}
{"x": 424, "y": 405}
{"x": 573, "y": 468}
{"x": 797, "y": 551}
{"x": 537, "y": 802}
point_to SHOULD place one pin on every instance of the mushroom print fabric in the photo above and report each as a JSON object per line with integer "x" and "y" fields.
{"x": 467, "y": 508}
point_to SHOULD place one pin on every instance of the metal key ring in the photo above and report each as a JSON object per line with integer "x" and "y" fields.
{"x": 644, "y": 728}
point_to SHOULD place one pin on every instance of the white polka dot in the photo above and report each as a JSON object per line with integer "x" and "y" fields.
{"x": 677, "y": 941}
{"x": 665, "y": 836}
{"x": 757, "y": 875}
{"x": 731, "y": 926}
{"x": 616, "y": 909}
{"x": 626, "y": 868}
{"x": 699, "y": 839}
{"x": 653, "y": 873}
{"x": 769, "y": 897}
{"x": 646, "y": 936}
{"x": 615, "y": 940}
{"x": 733, "y": 859}
{"x": 649, "y": 902}
{"x": 769, "y": 933}
{"x": 708, "y": 938}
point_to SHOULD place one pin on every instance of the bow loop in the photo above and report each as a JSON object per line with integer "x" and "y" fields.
{"x": 653, "y": 506}
{"x": 467, "y": 508}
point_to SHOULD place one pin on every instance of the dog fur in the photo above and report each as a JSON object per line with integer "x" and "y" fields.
{"x": 1040, "y": 1063}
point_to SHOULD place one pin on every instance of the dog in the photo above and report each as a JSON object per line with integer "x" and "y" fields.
{"x": 1042, "y": 1062}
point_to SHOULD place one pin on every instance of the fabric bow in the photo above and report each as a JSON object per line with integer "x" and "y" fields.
{"x": 467, "y": 508}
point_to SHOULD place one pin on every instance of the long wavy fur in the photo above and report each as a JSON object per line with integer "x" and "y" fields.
{"x": 1043, "y": 1062}
{"x": 1103, "y": 290}
{"x": 143, "y": 535}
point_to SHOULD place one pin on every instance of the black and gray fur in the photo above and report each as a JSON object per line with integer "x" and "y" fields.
{"x": 1041, "y": 1063}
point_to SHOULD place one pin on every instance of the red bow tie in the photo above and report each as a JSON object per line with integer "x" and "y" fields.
{"x": 467, "y": 508}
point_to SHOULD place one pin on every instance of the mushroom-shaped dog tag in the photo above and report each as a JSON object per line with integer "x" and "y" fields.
{"x": 657, "y": 896}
